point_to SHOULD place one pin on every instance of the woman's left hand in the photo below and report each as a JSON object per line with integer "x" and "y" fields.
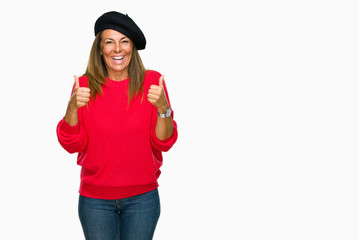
{"x": 156, "y": 95}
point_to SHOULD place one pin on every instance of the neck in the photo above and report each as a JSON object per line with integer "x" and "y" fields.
{"x": 118, "y": 76}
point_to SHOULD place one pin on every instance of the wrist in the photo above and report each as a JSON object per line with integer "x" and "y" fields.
{"x": 72, "y": 109}
{"x": 163, "y": 108}
{"x": 166, "y": 114}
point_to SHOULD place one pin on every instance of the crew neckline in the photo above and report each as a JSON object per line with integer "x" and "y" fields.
{"x": 117, "y": 83}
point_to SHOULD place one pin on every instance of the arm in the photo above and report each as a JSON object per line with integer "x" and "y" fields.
{"x": 165, "y": 133}
{"x": 164, "y": 126}
{"x": 70, "y": 132}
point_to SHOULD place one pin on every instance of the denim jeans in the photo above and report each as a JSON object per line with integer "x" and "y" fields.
{"x": 133, "y": 218}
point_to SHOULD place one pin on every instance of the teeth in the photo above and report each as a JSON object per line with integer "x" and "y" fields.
{"x": 117, "y": 58}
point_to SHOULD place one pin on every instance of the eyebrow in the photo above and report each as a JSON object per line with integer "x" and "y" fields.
{"x": 114, "y": 40}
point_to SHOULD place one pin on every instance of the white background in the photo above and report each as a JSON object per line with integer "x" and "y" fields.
{"x": 265, "y": 95}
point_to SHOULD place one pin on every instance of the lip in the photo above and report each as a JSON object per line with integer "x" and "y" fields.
{"x": 118, "y": 59}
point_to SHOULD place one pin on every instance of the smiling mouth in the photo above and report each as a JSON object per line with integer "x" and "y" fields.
{"x": 118, "y": 58}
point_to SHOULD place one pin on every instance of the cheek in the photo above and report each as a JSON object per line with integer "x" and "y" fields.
{"x": 129, "y": 57}
{"x": 106, "y": 50}
{"x": 129, "y": 53}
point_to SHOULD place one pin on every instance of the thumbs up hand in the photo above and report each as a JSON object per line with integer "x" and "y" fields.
{"x": 80, "y": 96}
{"x": 156, "y": 95}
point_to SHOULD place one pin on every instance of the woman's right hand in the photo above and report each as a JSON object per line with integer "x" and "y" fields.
{"x": 80, "y": 96}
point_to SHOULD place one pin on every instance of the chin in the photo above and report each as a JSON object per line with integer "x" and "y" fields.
{"x": 117, "y": 69}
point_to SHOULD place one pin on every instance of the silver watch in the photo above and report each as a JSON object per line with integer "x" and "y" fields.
{"x": 167, "y": 113}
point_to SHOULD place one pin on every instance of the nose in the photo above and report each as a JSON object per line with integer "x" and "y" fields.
{"x": 118, "y": 47}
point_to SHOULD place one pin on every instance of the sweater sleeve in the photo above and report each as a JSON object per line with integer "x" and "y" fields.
{"x": 163, "y": 145}
{"x": 72, "y": 138}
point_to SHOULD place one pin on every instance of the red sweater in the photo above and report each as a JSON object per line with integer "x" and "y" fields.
{"x": 117, "y": 146}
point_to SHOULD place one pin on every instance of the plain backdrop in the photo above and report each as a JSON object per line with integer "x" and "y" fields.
{"x": 265, "y": 94}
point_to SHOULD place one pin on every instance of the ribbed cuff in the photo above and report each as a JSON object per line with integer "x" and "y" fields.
{"x": 70, "y": 129}
{"x": 165, "y": 145}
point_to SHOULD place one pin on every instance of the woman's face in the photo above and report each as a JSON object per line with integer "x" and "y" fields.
{"x": 116, "y": 50}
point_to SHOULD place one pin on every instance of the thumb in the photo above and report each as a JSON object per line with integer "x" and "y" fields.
{"x": 77, "y": 82}
{"x": 161, "y": 81}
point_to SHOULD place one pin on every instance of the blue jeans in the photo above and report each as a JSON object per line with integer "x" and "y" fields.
{"x": 133, "y": 218}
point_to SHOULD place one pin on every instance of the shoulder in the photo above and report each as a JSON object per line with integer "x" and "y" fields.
{"x": 83, "y": 80}
{"x": 152, "y": 73}
{"x": 152, "y": 77}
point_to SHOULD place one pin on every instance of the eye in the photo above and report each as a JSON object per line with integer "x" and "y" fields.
{"x": 108, "y": 42}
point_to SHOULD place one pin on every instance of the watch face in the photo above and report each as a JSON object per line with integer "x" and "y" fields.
{"x": 168, "y": 112}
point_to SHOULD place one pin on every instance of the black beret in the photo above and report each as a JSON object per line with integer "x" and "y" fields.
{"x": 122, "y": 23}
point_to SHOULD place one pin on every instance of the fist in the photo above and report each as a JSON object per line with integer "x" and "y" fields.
{"x": 80, "y": 96}
{"x": 156, "y": 95}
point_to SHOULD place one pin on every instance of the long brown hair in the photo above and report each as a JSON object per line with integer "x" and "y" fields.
{"x": 96, "y": 71}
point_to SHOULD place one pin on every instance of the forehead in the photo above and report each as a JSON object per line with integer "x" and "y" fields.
{"x": 110, "y": 33}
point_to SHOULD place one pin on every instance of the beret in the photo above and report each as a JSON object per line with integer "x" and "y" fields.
{"x": 122, "y": 23}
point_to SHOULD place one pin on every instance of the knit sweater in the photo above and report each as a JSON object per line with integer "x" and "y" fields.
{"x": 117, "y": 146}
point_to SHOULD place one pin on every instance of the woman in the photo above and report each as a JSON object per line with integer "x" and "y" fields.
{"x": 119, "y": 121}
